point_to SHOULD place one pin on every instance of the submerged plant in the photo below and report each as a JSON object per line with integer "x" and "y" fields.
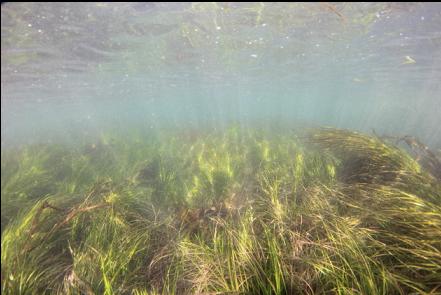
{"x": 241, "y": 212}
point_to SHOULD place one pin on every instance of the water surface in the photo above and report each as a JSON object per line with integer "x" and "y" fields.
{"x": 71, "y": 69}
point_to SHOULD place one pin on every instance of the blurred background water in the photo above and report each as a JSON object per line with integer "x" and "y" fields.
{"x": 74, "y": 69}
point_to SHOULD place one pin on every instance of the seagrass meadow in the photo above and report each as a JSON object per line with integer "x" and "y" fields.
{"x": 237, "y": 211}
{"x": 220, "y": 148}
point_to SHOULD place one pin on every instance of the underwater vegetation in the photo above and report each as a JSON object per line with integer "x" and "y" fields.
{"x": 229, "y": 212}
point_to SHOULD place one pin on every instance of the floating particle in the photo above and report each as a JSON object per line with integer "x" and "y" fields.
{"x": 408, "y": 60}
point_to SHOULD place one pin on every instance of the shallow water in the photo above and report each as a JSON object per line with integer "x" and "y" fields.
{"x": 72, "y": 69}
{"x": 221, "y": 148}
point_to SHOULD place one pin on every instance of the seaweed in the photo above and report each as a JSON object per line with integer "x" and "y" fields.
{"x": 240, "y": 212}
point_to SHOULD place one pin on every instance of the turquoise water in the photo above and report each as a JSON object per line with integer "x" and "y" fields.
{"x": 70, "y": 70}
{"x": 166, "y": 148}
